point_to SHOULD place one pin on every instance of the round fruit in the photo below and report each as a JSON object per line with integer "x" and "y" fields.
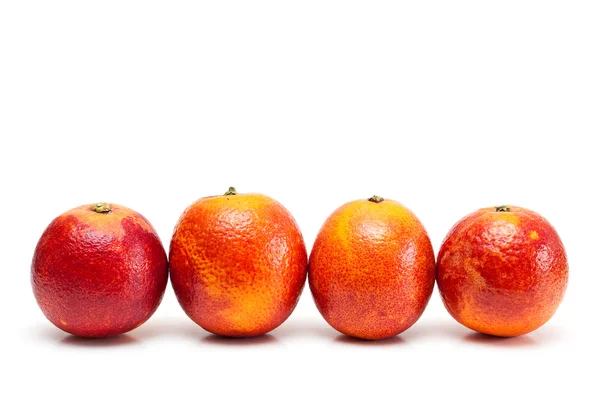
{"x": 238, "y": 263}
{"x": 99, "y": 270}
{"x": 372, "y": 269}
{"x": 502, "y": 271}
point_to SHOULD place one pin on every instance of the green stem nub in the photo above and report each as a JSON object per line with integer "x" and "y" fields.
{"x": 376, "y": 199}
{"x": 230, "y": 192}
{"x": 503, "y": 209}
{"x": 101, "y": 208}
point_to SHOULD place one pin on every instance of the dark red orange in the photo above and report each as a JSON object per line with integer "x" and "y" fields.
{"x": 502, "y": 271}
{"x": 99, "y": 270}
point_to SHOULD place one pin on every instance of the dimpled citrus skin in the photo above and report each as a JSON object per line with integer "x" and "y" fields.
{"x": 502, "y": 273}
{"x": 99, "y": 274}
{"x": 372, "y": 269}
{"x": 238, "y": 264}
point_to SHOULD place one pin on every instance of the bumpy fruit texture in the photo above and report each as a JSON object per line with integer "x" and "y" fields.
{"x": 238, "y": 264}
{"x": 502, "y": 271}
{"x": 99, "y": 273}
{"x": 372, "y": 269}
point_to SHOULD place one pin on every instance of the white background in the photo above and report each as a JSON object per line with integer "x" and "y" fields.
{"x": 445, "y": 106}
